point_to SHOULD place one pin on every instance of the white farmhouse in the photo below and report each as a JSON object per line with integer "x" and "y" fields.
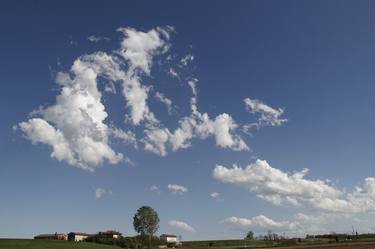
{"x": 75, "y": 236}
{"x": 169, "y": 238}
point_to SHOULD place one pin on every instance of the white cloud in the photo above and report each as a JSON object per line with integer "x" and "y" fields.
{"x": 126, "y": 136}
{"x": 262, "y": 222}
{"x": 168, "y": 103}
{"x": 95, "y": 39}
{"x": 268, "y": 116}
{"x": 177, "y": 189}
{"x": 100, "y": 192}
{"x": 40, "y": 131}
{"x": 197, "y": 125}
{"x": 79, "y": 129}
{"x": 216, "y": 196}
{"x": 186, "y": 59}
{"x": 154, "y": 188}
{"x": 139, "y": 47}
{"x": 181, "y": 225}
{"x": 77, "y": 117}
{"x": 281, "y": 188}
{"x": 173, "y": 73}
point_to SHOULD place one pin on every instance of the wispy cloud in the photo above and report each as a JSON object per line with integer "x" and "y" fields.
{"x": 166, "y": 101}
{"x": 269, "y": 116}
{"x": 216, "y": 196}
{"x": 100, "y": 192}
{"x": 95, "y": 39}
{"x": 177, "y": 189}
{"x": 181, "y": 225}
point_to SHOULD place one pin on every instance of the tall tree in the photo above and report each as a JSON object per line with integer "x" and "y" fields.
{"x": 146, "y": 222}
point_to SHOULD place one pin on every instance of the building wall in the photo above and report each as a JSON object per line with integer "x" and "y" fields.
{"x": 80, "y": 237}
{"x": 171, "y": 239}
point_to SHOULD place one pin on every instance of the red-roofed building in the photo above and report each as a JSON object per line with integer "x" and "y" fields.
{"x": 54, "y": 236}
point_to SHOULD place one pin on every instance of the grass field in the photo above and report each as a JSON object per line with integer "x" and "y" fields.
{"x": 217, "y": 244}
{"x": 45, "y": 244}
{"x": 227, "y": 244}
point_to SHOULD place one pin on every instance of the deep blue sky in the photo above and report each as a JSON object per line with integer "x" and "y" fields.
{"x": 314, "y": 58}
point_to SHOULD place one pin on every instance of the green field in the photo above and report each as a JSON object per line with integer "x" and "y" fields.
{"x": 52, "y": 244}
{"x": 227, "y": 244}
{"x": 45, "y": 244}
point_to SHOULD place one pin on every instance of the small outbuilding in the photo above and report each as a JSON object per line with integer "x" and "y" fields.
{"x": 77, "y": 236}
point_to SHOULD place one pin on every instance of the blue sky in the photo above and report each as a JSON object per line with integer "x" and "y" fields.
{"x": 305, "y": 68}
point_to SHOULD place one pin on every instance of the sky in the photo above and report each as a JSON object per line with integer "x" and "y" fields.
{"x": 223, "y": 116}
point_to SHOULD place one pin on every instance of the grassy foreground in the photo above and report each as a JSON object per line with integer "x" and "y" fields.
{"x": 45, "y": 244}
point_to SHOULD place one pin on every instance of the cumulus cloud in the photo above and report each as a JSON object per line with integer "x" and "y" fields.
{"x": 181, "y": 225}
{"x": 77, "y": 118}
{"x": 281, "y": 188}
{"x": 138, "y": 49}
{"x": 77, "y": 125}
{"x": 40, "y": 131}
{"x": 177, "y": 189}
{"x": 268, "y": 116}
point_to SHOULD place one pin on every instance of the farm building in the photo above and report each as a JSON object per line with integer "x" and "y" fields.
{"x": 169, "y": 238}
{"x": 76, "y": 236}
{"x": 110, "y": 234}
{"x": 54, "y": 236}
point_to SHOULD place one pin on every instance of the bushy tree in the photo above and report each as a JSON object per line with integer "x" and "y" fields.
{"x": 250, "y": 235}
{"x": 146, "y": 222}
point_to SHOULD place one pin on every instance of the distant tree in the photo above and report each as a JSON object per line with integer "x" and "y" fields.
{"x": 146, "y": 222}
{"x": 250, "y": 235}
{"x": 270, "y": 237}
{"x": 275, "y": 236}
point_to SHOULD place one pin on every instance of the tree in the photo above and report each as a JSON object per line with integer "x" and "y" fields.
{"x": 250, "y": 235}
{"x": 146, "y": 222}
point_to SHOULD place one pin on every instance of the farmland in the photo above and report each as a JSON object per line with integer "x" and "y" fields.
{"x": 49, "y": 244}
{"x": 217, "y": 244}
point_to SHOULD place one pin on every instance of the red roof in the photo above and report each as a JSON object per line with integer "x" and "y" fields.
{"x": 168, "y": 235}
{"x": 79, "y": 233}
{"x": 54, "y": 235}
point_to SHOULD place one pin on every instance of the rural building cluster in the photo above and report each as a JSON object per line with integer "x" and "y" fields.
{"x": 78, "y": 236}
{"x": 111, "y": 234}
